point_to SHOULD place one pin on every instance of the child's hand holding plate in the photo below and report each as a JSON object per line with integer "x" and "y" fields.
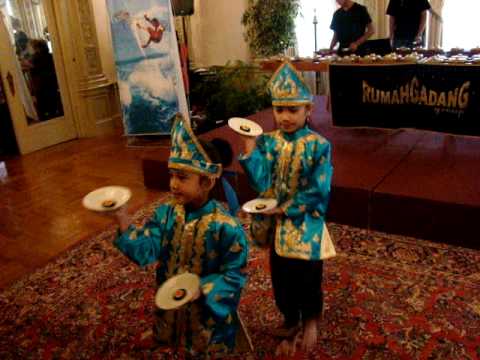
{"x": 259, "y": 206}
{"x": 245, "y": 127}
{"x": 177, "y": 291}
{"x": 108, "y": 198}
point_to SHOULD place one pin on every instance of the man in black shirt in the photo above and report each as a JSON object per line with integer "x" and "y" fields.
{"x": 352, "y": 26}
{"x": 407, "y": 22}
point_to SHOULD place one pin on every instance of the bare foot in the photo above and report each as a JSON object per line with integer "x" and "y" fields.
{"x": 283, "y": 349}
{"x": 309, "y": 335}
{"x": 288, "y": 348}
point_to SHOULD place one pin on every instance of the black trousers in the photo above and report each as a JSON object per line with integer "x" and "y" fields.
{"x": 297, "y": 287}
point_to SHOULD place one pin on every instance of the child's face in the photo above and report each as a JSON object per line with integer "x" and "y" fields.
{"x": 188, "y": 187}
{"x": 291, "y": 118}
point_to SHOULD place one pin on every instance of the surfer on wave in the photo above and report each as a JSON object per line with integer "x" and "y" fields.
{"x": 155, "y": 32}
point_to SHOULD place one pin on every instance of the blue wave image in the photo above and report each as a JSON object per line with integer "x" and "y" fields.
{"x": 147, "y": 75}
{"x": 147, "y": 116}
{"x": 151, "y": 103}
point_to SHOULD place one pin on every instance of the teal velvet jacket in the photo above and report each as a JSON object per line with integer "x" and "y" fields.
{"x": 207, "y": 242}
{"x": 296, "y": 170}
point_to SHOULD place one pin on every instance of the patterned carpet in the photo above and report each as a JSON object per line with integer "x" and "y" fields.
{"x": 386, "y": 297}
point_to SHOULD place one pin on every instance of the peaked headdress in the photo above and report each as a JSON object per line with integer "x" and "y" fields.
{"x": 288, "y": 88}
{"x": 187, "y": 153}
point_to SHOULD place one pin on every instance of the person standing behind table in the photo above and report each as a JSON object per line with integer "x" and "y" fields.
{"x": 352, "y": 27}
{"x": 407, "y": 22}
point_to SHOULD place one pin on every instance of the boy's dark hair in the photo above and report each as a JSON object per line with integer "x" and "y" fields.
{"x": 219, "y": 151}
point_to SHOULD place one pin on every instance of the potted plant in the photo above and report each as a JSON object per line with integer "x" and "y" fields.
{"x": 222, "y": 92}
{"x": 270, "y": 26}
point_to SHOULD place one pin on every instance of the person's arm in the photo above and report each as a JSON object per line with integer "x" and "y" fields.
{"x": 123, "y": 218}
{"x": 392, "y": 29}
{"x": 249, "y": 143}
{"x": 222, "y": 290}
{"x": 334, "y": 28}
{"x": 334, "y": 41}
{"x": 421, "y": 27}
{"x": 142, "y": 244}
{"x": 366, "y": 21}
{"x": 257, "y": 164}
{"x": 370, "y": 30}
{"x": 392, "y": 12}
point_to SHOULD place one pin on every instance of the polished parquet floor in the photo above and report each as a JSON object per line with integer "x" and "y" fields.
{"x": 40, "y": 198}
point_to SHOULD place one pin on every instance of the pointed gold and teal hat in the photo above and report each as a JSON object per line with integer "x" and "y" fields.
{"x": 288, "y": 88}
{"x": 187, "y": 154}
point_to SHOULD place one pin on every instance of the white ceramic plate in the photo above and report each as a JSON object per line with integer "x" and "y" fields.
{"x": 245, "y": 126}
{"x": 107, "y": 198}
{"x": 260, "y": 205}
{"x": 177, "y": 291}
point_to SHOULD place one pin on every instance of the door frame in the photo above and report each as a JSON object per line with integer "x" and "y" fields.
{"x": 47, "y": 133}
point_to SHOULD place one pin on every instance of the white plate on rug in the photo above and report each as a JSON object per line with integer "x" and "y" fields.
{"x": 108, "y": 198}
{"x": 245, "y": 127}
{"x": 260, "y": 205}
{"x": 177, "y": 291}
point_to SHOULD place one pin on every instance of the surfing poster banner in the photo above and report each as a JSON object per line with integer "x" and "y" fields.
{"x": 149, "y": 74}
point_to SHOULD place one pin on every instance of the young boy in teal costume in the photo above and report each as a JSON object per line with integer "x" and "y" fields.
{"x": 293, "y": 165}
{"x": 193, "y": 233}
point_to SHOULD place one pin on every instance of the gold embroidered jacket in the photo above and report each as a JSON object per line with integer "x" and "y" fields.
{"x": 296, "y": 170}
{"x": 207, "y": 242}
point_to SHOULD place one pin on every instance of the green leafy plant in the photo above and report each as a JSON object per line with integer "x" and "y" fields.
{"x": 270, "y": 25}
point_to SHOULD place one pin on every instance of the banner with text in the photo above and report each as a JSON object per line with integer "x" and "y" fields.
{"x": 431, "y": 97}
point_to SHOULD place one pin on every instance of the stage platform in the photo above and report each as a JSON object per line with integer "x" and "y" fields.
{"x": 407, "y": 181}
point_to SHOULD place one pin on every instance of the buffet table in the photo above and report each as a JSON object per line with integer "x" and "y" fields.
{"x": 444, "y": 98}
{"x": 301, "y": 65}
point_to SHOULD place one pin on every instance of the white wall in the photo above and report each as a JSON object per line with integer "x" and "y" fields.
{"x": 304, "y": 25}
{"x": 216, "y": 33}
{"x": 460, "y": 24}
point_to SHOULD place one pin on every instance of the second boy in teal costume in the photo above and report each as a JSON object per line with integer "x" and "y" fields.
{"x": 293, "y": 165}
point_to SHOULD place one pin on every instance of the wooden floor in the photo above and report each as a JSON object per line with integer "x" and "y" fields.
{"x": 40, "y": 198}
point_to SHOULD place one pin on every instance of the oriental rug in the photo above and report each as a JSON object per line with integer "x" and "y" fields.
{"x": 386, "y": 297}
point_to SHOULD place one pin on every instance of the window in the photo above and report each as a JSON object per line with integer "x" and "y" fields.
{"x": 460, "y": 24}
{"x": 305, "y": 29}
